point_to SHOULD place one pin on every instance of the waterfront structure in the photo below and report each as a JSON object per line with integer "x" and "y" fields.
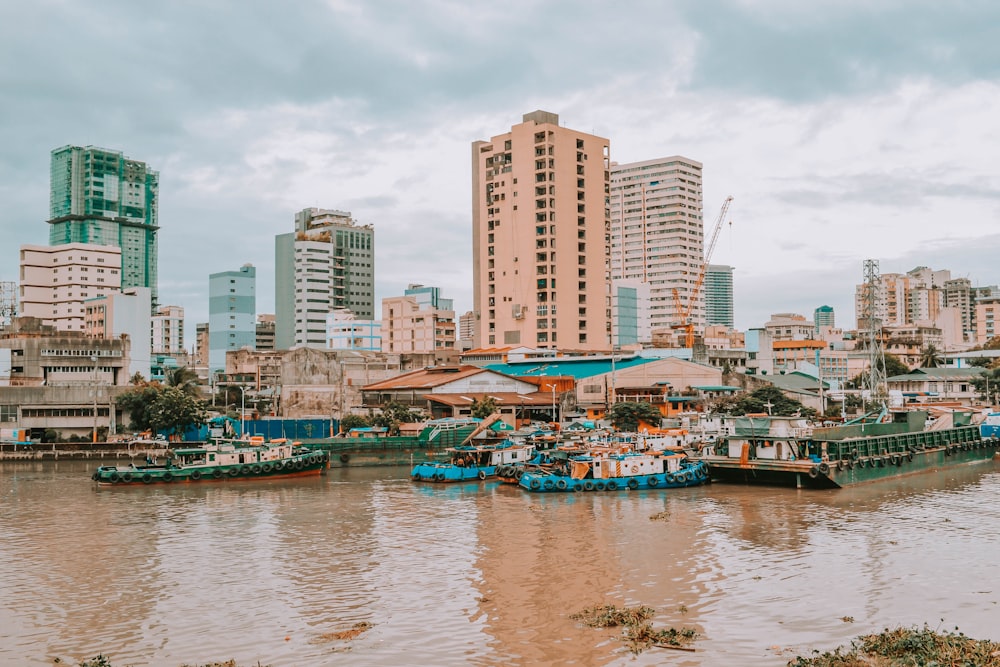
{"x": 657, "y": 235}
{"x": 99, "y": 196}
{"x": 719, "y": 295}
{"x": 168, "y": 330}
{"x": 537, "y": 189}
{"x": 344, "y": 331}
{"x": 328, "y": 262}
{"x": 630, "y": 322}
{"x": 56, "y": 280}
{"x": 125, "y": 313}
{"x": 420, "y": 321}
{"x": 232, "y": 313}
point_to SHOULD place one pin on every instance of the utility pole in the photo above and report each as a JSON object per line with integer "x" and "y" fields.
{"x": 94, "y": 390}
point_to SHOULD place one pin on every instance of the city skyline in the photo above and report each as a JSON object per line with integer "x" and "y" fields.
{"x": 843, "y": 132}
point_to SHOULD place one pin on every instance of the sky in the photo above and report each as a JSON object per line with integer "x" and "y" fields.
{"x": 845, "y": 130}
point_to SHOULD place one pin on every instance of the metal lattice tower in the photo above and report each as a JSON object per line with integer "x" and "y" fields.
{"x": 8, "y": 302}
{"x": 874, "y": 379}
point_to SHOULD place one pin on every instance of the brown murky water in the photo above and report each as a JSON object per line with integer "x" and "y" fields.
{"x": 479, "y": 574}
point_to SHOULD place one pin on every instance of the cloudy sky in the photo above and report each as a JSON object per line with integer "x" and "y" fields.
{"x": 844, "y": 129}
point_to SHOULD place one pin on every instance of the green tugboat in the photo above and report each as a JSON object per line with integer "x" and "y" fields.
{"x": 217, "y": 461}
{"x": 899, "y": 443}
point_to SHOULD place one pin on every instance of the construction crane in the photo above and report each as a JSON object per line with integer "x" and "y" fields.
{"x": 685, "y": 312}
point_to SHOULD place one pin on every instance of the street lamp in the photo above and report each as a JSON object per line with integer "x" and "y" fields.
{"x": 243, "y": 408}
{"x": 94, "y": 389}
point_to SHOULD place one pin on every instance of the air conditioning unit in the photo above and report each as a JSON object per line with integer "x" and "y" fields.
{"x": 518, "y": 312}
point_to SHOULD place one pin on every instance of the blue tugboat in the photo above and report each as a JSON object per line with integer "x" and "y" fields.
{"x": 619, "y": 470}
{"x": 472, "y": 462}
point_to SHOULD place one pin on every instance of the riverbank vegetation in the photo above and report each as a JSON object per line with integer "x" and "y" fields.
{"x": 906, "y": 647}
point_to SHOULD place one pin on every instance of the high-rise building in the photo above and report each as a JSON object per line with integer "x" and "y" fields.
{"x": 540, "y": 192}
{"x": 232, "y": 313}
{"x": 420, "y": 321}
{"x": 125, "y": 312}
{"x": 168, "y": 330}
{"x": 824, "y": 317}
{"x": 630, "y": 313}
{"x": 99, "y": 196}
{"x": 719, "y": 295}
{"x": 657, "y": 235}
{"x": 327, "y": 263}
{"x": 56, "y": 280}
{"x": 466, "y": 330}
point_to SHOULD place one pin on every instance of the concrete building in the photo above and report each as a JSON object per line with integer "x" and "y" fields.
{"x": 420, "y": 322}
{"x": 537, "y": 189}
{"x": 168, "y": 330}
{"x": 123, "y": 314}
{"x": 790, "y": 326}
{"x": 328, "y": 262}
{"x": 99, "y": 196}
{"x": 265, "y": 331}
{"x": 657, "y": 235}
{"x": 232, "y": 313}
{"x": 823, "y": 317}
{"x": 201, "y": 345}
{"x": 344, "y": 331}
{"x": 719, "y": 295}
{"x": 630, "y": 308}
{"x": 56, "y": 280}
{"x": 466, "y": 331}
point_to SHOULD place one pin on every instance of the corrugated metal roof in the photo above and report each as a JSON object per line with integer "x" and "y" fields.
{"x": 577, "y": 369}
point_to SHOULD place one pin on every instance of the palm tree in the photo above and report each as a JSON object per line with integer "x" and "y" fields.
{"x": 930, "y": 357}
{"x": 184, "y": 379}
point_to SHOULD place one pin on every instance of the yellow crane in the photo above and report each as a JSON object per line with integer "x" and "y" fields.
{"x": 685, "y": 312}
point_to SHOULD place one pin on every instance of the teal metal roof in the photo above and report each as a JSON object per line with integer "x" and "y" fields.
{"x": 577, "y": 369}
{"x": 719, "y": 387}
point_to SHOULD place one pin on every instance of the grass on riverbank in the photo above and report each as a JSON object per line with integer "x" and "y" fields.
{"x": 639, "y": 633}
{"x": 904, "y": 647}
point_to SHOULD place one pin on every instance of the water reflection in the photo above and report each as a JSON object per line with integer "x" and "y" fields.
{"x": 477, "y": 573}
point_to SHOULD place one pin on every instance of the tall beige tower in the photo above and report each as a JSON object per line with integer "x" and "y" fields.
{"x": 540, "y": 225}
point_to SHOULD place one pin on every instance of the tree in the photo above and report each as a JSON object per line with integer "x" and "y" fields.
{"x": 484, "y": 407}
{"x": 153, "y": 407}
{"x": 625, "y": 416}
{"x": 988, "y": 384}
{"x": 893, "y": 366}
{"x": 393, "y": 414}
{"x": 930, "y": 357}
{"x": 772, "y": 401}
{"x": 185, "y": 379}
{"x": 350, "y": 421}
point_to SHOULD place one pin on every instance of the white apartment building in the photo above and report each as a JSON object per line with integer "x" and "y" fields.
{"x": 657, "y": 235}
{"x": 125, "y": 312}
{"x": 56, "y": 280}
{"x": 168, "y": 330}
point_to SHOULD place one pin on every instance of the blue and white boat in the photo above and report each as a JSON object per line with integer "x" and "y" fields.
{"x": 617, "y": 470}
{"x": 471, "y": 462}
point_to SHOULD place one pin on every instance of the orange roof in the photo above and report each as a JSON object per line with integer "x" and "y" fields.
{"x": 487, "y": 350}
{"x": 798, "y": 344}
{"x": 427, "y": 378}
{"x": 502, "y": 398}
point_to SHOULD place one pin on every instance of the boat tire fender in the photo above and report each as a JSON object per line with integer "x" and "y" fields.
{"x": 245, "y": 470}
{"x": 344, "y": 458}
{"x": 482, "y": 475}
{"x": 438, "y": 476}
{"x": 652, "y": 480}
{"x": 824, "y": 468}
{"x": 896, "y": 459}
{"x": 909, "y": 455}
{"x": 814, "y": 472}
{"x": 549, "y": 484}
{"x": 416, "y": 477}
{"x": 278, "y": 465}
{"x": 147, "y": 478}
{"x": 561, "y": 485}
{"x": 632, "y": 484}
{"x": 588, "y": 486}
{"x": 669, "y": 477}
{"x": 578, "y": 487}
{"x": 600, "y": 486}
{"x": 168, "y": 476}
{"x": 217, "y": 473}
{"x": 255, "y": 468}
{"x": 96, "y": 476}
{"x": 534, "y": 484}
{"x": 114, "y": 477}
{"x": 196, "y": 475}
{"x": 854, "y": 455}
{"x": 127, "y": 477}
{"x": 233, "y": 472}
{"x": 266, "y": 468}
{"x": 612, "y": 485}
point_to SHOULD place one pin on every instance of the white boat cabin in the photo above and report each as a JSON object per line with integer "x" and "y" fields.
{"x": 609, "y": 466}
{"x": 235, "y": 452}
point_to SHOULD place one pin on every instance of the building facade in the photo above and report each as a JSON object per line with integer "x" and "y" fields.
{"x": 657, "y": 235}
{"x": 344, "y": 331}
{"x": 537, "y": 190}
{"x": 232, "y": 314}
{"x": 327, "y": 263}
{"x": 123, "y": 314}
{"x": 420, "y": 321}
{"x": 824, "y": 317}
{"x": 265, "y": 331}
{"x": 630, "y": 322}
{"x": 56, "y": 280}
{"x": 168, "y": 330}
{"x": 99, "y": 196}
{"x": 719, "y": 295}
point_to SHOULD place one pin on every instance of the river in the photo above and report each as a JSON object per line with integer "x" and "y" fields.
{"x": 480, "y": 573}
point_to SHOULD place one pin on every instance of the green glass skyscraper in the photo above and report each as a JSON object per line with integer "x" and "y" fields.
{"x": 99, "y": 196}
